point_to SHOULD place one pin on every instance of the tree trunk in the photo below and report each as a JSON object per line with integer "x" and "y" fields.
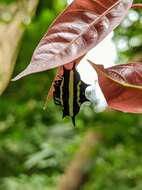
{"x": 11, "y": 34}
{"x": 78, "y": 169}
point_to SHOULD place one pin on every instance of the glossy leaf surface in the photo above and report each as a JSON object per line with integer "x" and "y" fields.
{"x": 122, "y": 86}
{"x": 78, "y": 29}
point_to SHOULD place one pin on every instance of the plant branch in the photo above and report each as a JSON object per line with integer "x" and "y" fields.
{"x": 11, "y": 34}
{"x": 136, "y": 6}
{"x": 76, "y": 173}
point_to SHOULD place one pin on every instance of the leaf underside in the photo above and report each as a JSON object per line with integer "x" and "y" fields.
{"x": 79, "y": 28}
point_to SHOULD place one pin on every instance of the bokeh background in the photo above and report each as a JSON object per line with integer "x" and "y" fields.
{"x": 39, "y": 150}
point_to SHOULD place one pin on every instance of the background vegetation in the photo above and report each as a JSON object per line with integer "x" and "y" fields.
{"x": 36, "y": 145}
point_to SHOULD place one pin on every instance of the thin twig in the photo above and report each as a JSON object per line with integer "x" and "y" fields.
{"x": 136, "y": 6}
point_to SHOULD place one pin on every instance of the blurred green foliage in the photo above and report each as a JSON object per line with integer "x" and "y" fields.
{"x": 37, "y": 145}
{"x": 7, "y": 1}
{"x": 128, "y": 37}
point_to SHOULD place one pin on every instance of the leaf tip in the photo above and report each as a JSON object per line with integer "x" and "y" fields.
{"x": 15, "y": 79}
{"x": 90, "y": 62}
{"x": 20, "y": 75}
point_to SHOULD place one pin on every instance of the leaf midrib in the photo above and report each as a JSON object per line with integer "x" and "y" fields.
{"x": 93, "y": 23}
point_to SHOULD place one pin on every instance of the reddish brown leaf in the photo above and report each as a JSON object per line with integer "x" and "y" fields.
{"x": 122, "y": 86}
{"x": 78, "y": 29}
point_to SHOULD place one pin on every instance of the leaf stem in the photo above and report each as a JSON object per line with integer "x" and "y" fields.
{"x": 136, "y": 6}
